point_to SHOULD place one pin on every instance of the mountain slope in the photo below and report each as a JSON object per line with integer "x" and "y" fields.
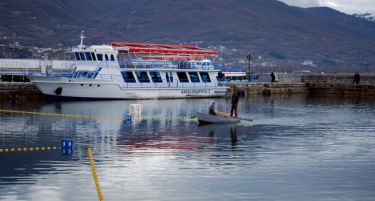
{"x": 269, "y": 29}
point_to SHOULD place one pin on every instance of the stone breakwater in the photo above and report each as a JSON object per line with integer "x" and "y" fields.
{"x": 267, "y": 89}
{"x": 340, "y": 85}
{"x": 311, "y": 84}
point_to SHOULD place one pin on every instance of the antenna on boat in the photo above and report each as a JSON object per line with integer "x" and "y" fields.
{"x": 81, "y": 37}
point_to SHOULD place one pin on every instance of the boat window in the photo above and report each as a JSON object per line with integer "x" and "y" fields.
{"x": 205, "y": 77}
{"x": 156, "y": 78}
{"x": 77, "y": 56}
{"x": 182, "y": 77}
{"x": 106, "y": 57}
{"x": 142, "y": 76}
{"x": 88, "y": 56}
{"x": 82, "y": 56}
{"x": 95, "y": 73}
{"x": 93, "y": 56}
{"x": 194, "y": 77}
{"x": 100, "y": 57}
{"x": 80, "y": 74}
{"x": 128, "y": 76}
{"x": 112, "y": 57}
{"x": 169, "y": 76}
{"x": 84, "y": 74}
{"x": 90, "y": 74}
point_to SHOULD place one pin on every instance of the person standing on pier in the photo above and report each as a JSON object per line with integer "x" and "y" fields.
{"x": 273, "y": 78}
{"x": 234, "y": 102}
{"x": 356, "y": 78}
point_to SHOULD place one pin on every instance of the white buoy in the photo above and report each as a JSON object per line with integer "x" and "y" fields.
{"x": 135, "y": 110}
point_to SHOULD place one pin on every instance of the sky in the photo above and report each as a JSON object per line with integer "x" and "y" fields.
{"x": 346, "y": 6}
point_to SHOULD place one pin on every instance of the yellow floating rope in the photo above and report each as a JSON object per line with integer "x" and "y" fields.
{"x": 186, "y": 118}
{"x": 27, "y": 149}
{"x": 93, "y": 169}
{"x": 60, "y": 115}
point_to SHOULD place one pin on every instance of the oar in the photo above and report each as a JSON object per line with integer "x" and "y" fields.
{"x": 228, "y": 115}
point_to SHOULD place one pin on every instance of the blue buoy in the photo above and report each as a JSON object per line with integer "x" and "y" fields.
{"x": 66, "y": 151}
{"x": 66, "y": 147}
{"x": 66, "y": 143}
{"x": 128, "y": 118}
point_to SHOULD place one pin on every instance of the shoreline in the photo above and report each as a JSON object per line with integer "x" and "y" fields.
{"x": 311, "y": 84}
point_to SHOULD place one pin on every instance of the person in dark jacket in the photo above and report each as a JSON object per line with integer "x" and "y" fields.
{"x": 356, "y": 78}
{"x": 235, "y": 99}
{"x": 211, "y": 109}
{"x": 273, "y": 78}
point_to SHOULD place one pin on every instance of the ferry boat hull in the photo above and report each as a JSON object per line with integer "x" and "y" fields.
{"x": 103, "y": 89}
{"x": 126, "y": 70}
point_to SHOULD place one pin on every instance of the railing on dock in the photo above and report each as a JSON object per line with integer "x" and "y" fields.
{"x": 32, "y": 66}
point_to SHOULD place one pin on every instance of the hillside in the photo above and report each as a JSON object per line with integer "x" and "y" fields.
{"x": 273, "y": 32}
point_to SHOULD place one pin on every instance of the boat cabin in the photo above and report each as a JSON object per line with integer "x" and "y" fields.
{"x": 145, "y": 64}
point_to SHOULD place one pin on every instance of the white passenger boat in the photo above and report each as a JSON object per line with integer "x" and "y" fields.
{"x": 125, "y": 70}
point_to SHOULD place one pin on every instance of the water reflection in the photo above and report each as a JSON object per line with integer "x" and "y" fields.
{"x": 20, "y": 168}
{"x": 292, "y": 140}
{"x": 220, "y": 131}
{"x": 233, "y": 135}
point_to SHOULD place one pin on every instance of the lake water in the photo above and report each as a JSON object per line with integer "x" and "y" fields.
{"x": 297, "y": 148}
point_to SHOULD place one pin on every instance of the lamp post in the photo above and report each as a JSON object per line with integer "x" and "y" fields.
{"x": 248, "y": 70}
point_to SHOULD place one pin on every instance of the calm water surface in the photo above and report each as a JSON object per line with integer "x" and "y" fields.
{"x": 297, "y": 148}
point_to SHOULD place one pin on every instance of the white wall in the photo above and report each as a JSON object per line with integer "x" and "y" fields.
{"x": 22, "y": 65}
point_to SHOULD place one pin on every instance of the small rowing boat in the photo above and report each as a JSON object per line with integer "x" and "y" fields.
{"x": 204, "y": 119}
{"x": 227, "y": 115}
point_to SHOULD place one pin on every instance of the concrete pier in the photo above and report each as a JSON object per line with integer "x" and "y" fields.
{"x": 267, "y": 89}
{"x": 314, "y": 85}
{"x": 340, "y": 85}
{"x": 311, "y": 84}
{"x": 19, "y": 90}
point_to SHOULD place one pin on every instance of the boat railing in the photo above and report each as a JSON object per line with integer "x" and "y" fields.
{"x": 110, "y": 77}
{"x": 103, "y": 64}
{"x": 174, "y": 84}
{"x": 148, "y": 66}
{"x": 166, "y": 66}
{"x": 197, "y": 67}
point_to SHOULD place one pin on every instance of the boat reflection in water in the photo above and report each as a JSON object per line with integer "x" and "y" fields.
{"x": 107, "y": 131}
{"x": 163, "y": 139}
{"x": 104, "y": 123}
{"x": 291, "y": 142}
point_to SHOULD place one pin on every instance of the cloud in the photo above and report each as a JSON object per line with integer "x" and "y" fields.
{"x": 302, "y": 3}
{"x": 347, "y": 6}
{"x": 350, "y": 6}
